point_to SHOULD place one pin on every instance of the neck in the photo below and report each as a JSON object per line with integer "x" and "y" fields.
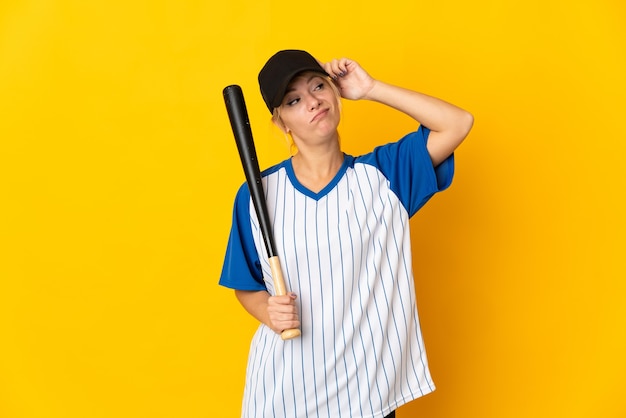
{"x": 315, "y": 170}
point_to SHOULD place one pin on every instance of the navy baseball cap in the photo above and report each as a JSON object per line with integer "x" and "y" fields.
{"x": 280, "y": 69}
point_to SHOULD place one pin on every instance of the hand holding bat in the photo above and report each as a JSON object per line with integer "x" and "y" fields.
{"x": 238, "y": 115}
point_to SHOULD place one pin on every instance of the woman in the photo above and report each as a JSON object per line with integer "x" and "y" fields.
{"x": 341, "y": 229}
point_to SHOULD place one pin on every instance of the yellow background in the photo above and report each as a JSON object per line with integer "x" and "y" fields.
{"x": 118, "y": 170}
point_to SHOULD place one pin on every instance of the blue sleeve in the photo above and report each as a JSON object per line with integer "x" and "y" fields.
{"x": 242, "y": 267}
{"x": 409, "y": 169}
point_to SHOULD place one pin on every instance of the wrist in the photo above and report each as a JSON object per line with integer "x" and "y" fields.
{"x": 373, "y": 92}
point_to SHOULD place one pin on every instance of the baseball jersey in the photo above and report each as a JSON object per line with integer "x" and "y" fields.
{"x": 346, "y": 252}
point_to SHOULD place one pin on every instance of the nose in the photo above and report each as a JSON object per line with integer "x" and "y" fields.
{"x": 313, "y": 102}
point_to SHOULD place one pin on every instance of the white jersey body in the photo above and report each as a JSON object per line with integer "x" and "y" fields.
{"x": 346, "y": 253}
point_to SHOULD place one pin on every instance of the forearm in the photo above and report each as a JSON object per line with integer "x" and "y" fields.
{"x": 255, "y": 303}
{"x": 448, "y": 124}
{"x": 277, "y": 312}
{"x": 429, "y": 111}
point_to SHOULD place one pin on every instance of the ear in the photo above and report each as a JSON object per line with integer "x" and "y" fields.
{"x": 279, "y": 123}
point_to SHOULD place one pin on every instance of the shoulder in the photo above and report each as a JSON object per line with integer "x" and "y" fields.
{"x": 243, "y": 193}
{"x": 407, "y": 149}
{"x": 274, "y": 168}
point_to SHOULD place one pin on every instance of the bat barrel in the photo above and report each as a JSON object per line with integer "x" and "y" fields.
{"x": 240, "y": 123}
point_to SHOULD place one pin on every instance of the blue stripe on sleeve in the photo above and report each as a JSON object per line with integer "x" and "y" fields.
{"x": 409, "y": 169}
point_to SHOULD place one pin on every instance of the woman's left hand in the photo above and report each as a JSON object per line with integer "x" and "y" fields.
{"x": 353, "y": 81}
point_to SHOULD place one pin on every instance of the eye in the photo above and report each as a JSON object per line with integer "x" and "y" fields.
{"x": 320, "y": 86}
{"x": 292, "y": 102}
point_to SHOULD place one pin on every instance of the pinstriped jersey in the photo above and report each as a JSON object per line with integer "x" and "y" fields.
{"x": 346, "y": 253}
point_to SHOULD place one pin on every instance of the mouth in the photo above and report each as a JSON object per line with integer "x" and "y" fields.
{"x": 319, "y": 115}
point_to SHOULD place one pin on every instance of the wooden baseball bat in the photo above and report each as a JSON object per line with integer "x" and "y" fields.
{"x": 238, "y": 115}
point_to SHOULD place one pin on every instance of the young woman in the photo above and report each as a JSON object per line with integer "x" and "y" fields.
{"x": 341, "y": 225}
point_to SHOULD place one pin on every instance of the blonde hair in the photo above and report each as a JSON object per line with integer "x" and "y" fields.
{"x": 277, "y": 121}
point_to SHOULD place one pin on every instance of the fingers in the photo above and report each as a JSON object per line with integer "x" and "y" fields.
{"x": 339, "y": 67}
{"x": 353, "y": 81}
{"x": 283, "y": 313}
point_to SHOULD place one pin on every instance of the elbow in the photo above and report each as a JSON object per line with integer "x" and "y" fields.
{"x": 466, "y": 122}
{"x": 447, "y": 141}
{"x": 462, "y": 127}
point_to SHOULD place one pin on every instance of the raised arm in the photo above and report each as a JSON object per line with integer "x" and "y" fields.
{"x": 449, "y": 124}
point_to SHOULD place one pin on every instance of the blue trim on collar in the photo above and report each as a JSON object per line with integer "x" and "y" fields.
{"x": 348, "y": 161}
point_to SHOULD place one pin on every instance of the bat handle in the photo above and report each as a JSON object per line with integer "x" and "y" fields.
{"x": 280, "y": 290}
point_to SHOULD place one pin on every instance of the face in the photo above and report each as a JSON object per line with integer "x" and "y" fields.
{"x": 310, "y": 109}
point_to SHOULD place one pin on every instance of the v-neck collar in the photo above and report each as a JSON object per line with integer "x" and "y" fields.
{"x": 331, "y": 185}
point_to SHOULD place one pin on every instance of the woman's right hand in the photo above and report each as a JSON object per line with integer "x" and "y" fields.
{"x": 282, "y": 312}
